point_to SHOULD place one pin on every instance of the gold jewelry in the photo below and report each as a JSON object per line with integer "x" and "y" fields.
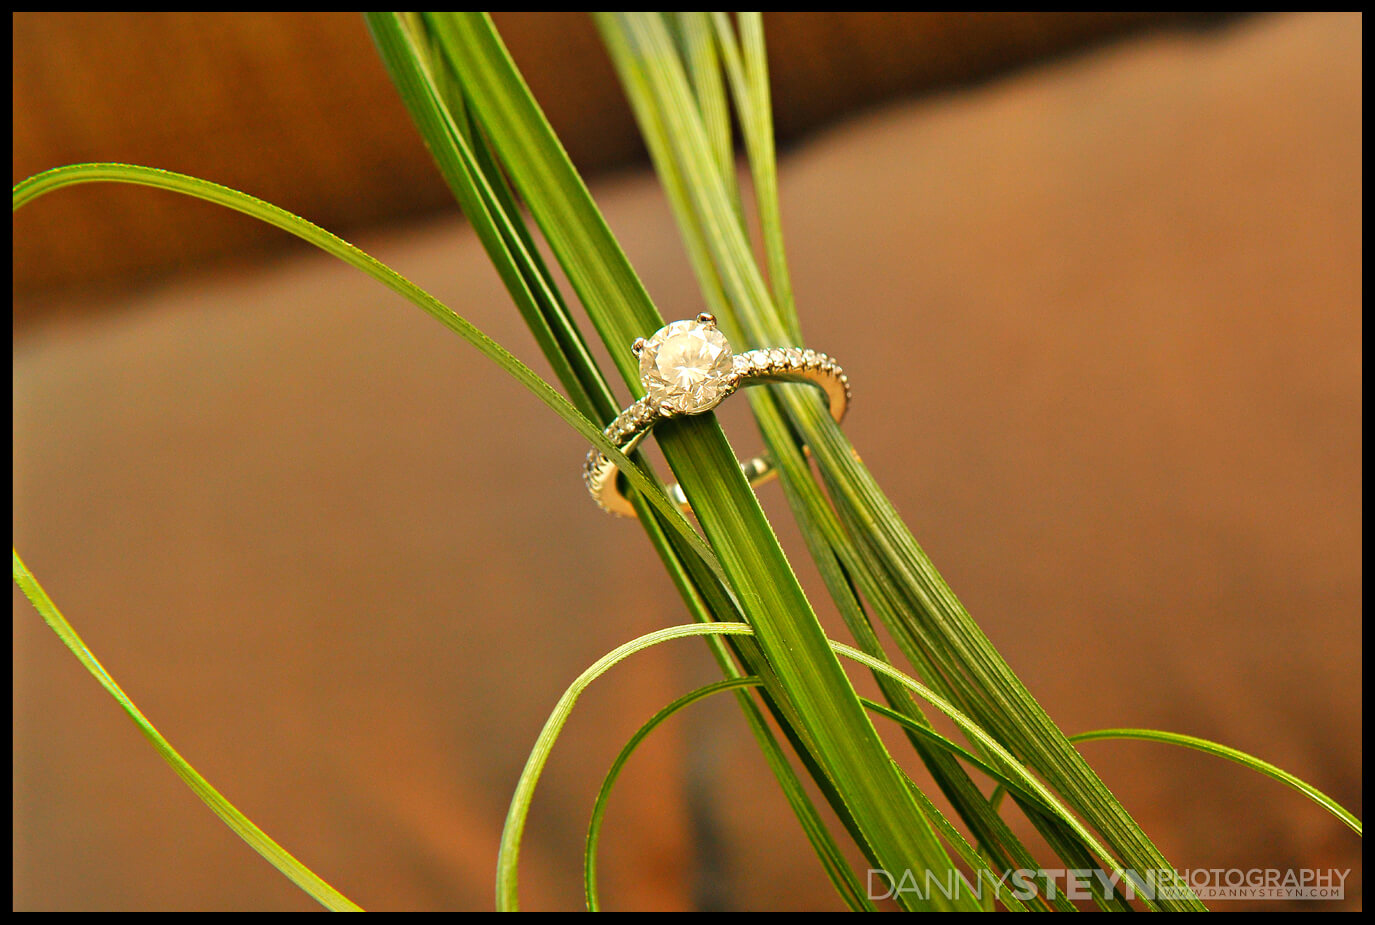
{"x": 687, "y": 367}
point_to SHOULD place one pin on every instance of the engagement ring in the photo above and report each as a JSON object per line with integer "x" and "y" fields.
{"x": 688, "y": 368}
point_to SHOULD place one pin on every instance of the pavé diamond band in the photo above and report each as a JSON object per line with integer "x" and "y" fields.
{"x": 688, "y": 367}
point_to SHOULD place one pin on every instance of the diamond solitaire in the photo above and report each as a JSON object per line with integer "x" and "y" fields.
{"x": 686, "y": 366}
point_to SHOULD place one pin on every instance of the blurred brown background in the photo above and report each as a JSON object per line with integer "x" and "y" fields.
{"x": 347, "y": 568}
{"x": 294, "y": 108}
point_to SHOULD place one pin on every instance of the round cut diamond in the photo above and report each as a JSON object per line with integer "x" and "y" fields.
{"x": 685, "y": 365}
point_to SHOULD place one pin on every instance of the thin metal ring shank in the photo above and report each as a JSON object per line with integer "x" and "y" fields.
{"x": 754, "y": 367}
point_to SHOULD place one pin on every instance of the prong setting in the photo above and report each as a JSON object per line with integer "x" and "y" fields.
{"x": 684, "y": 364}
{"x": 707, "y": 318}
{"x": 638, "y": 346}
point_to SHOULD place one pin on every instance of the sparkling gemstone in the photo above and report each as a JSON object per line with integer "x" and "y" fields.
{"x": 685, "y": 365}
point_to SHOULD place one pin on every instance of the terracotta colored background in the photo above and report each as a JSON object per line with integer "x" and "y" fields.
{"x": 1103, "y": 319}
{"x": 294, "y": 108}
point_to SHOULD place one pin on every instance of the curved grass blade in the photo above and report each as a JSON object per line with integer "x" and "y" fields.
{"x": 978, "y": 734}
{"x": 255, "y": 837}
{"x": 967, "y": 851}
{"x": 849, "y": 891}
{"x": 60, "y": 177}
{"x": 608, "y": 783}
{"x": 1231, "y": 754}
{"x": 509, "y": 852}
{"x": 848, "y": 888}
{"x": 508, "y": 855}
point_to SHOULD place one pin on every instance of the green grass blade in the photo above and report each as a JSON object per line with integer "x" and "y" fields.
{"x": 646, "y": 60}
{"x": 58, "y": 178}
{"x": 972, "y": 728}
{"x": 433, "y": 95}
{"x": 1231, "y": 754}
{"x": 518, "y": 813}
{"x": 558, "y": 200}
{"x": 840, "y": 567}
{"x": 746, "y": 65}
{"x": 703, "y": 64}
{"x": 925, "y": 731}
{"x": 841, "y": 876}
{"x": 986, "y": 875}
{"x": 255, "y": 837}
{"x": 508, "y": 855}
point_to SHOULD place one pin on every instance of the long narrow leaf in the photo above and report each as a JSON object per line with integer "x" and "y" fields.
{"x": 1231, "y": 754}
{"x": 61, "y": 177}
{"x": 238, "y": 823}
{"x": 509, "y": 852}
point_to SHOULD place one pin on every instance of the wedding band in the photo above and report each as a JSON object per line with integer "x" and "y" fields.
{"x": 688, "y": 367}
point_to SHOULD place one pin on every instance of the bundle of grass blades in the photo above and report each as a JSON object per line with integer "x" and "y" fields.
{"x": 681, "y": 73}
{"x": 685, "y": 74}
